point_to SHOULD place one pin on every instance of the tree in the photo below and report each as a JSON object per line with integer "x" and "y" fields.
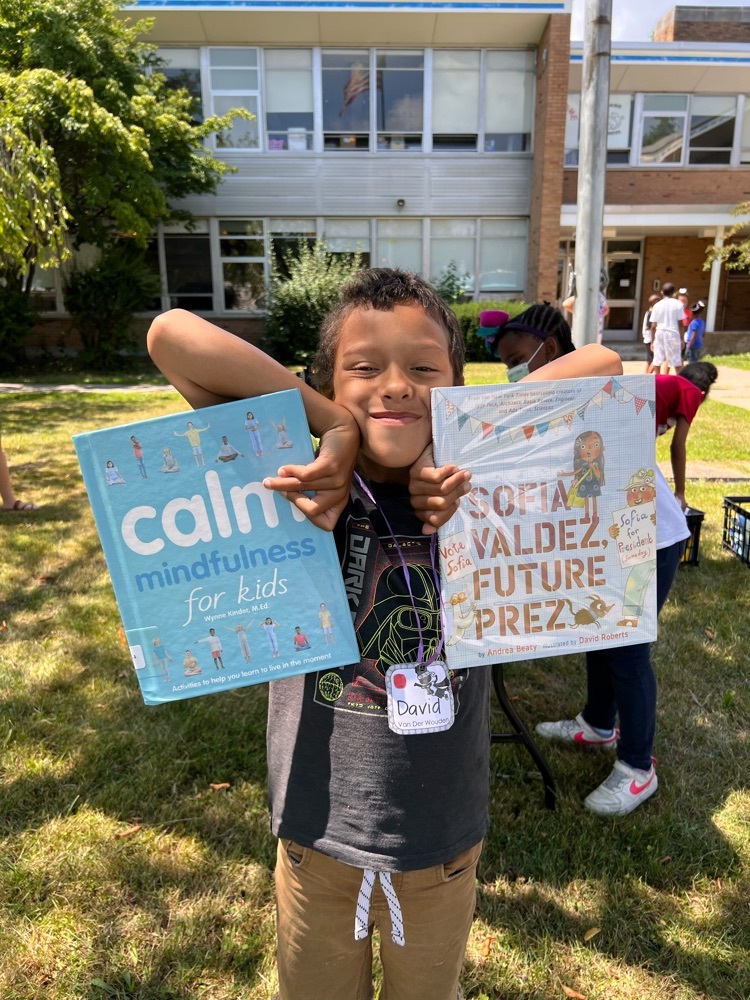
{"x": 735, "y": 253}
{"x": 94, "y": 144}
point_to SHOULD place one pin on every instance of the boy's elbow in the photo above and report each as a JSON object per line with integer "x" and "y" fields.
{"x": 161, "y": 328}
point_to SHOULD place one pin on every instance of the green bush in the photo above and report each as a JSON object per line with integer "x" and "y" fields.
{"x": 300, "y": 302}
{"x": 16, "y": 320}
{"x": 102, "y": 299}
{"x": 468, "y": 317}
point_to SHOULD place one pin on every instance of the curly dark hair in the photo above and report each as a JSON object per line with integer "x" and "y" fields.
{"x": 383, "y": 288}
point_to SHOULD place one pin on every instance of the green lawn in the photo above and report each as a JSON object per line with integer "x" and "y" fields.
{"x": 123, "y": 873}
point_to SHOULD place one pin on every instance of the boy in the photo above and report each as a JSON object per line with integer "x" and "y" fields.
{"x": 695, "y": 331}
{"x": 667, "y": 316}
{"x": 374, "y": 826}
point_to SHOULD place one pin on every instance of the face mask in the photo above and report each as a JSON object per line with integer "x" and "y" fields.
{"x": 522, "y": 370}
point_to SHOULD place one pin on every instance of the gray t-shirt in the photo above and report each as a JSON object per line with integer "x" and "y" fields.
{"x": 340, "y": 780}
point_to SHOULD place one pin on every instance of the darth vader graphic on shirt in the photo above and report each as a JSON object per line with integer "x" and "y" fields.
{"x": 388, "y": 610}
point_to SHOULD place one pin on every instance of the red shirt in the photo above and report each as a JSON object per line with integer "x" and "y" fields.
{"x": 675, "y": 397}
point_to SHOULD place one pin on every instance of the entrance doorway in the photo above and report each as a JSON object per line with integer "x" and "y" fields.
{"x": 624, "y": 260}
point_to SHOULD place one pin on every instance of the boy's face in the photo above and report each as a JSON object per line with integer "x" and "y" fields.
{"x": 386, "y": 364}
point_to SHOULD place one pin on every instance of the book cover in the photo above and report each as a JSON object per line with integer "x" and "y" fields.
{"x": 554, "y": 549}
{"x": 220, "y": 582}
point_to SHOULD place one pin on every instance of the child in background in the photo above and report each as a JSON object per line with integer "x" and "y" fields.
{"x": 647, "y": 335}
{"x": 687, "y": 318}
{"x": 375, "y": 826}
{"x": 694, "y": 334}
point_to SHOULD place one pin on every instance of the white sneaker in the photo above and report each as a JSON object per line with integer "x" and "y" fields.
{"x": 623, "y": 791}
{"x": 578, "y": 731}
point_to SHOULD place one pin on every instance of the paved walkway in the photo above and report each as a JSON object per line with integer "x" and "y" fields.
{"x": 732, "y": 387}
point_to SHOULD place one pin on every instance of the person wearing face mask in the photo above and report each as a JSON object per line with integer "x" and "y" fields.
{"x": 532, "y": 339}
{"x": 620, "y": 680}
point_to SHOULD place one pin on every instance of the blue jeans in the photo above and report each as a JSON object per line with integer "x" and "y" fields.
{"x": 693, "y": 354}
{"x": 622, "y": 680}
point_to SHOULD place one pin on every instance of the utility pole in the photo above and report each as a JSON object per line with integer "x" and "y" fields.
{"x": 592, "y": 166}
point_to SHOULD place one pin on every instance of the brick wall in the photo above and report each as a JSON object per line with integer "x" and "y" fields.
{"x": 549, "y": 144}
{"x": 704, "y": 24}
{"x": 636, "y": 186}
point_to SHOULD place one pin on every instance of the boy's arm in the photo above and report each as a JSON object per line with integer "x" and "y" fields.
{"x": 592, "y": 359}
{"x": 208, "y": 365}
{"x": 691, "y": 332}
{"x": 678, "y": 455}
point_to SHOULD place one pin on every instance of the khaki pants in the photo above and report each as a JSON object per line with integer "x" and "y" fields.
{"x": 318, "y": 956}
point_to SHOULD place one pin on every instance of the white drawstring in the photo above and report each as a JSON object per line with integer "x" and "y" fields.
{"x": 362, "y": 917}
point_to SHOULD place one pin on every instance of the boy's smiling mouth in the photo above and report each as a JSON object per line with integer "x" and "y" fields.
{"x": 395, "y": 417}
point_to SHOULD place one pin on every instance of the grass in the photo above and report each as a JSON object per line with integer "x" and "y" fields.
{"x": 730, "y": 360}
{"x": 124, "y": 874}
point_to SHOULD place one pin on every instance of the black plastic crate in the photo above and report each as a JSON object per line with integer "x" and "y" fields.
{"x": 736, "y": 533}
{"x": 694, "y": 521}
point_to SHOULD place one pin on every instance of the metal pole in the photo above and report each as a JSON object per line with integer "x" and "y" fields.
{"x": 592, "y": 166}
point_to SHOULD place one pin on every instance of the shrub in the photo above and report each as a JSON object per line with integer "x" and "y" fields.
{"x": 451, "y": 286}
{"x": 16, "y": 320}
{"x": 101, "y": 301}
{"x": 468, "y": 317}
{"x": 300, "y": 302}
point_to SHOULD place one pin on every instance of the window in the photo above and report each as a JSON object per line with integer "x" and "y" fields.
{"x": 181, "y": 67}
{"x": 453, "y": 241}
{"x": 503, "y": 248}
{"x": 711, "y": 128}
{"x": 400, "y": 243}
{"x": 745, "y": 137}
{"x": 242, "y": 254}
{"x": 284, "y": 236}
{"x": 508, "y": 103}
{"x": 399, "y": 100}
{"x": 289, "y": 99}
{"x": 455, "y": 97}
{"x": 44, "y": 289}
{"x": 346, "y": 100}
{"x": 619, "y": 129}
{"x": 187, "y": 260}
{"x": 234, "y": 84}
{"x": 664, "y": 118}
{"x": 349, "y": 236}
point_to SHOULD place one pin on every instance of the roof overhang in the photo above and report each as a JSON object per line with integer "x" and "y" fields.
{"x": 671, "y": 67}
{"x": 638, "y": 220}
{"x": 457, "y": 23}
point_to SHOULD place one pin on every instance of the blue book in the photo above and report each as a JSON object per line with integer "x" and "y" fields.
{"x": 220, "y": 582}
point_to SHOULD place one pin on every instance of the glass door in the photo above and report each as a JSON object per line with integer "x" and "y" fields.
{"x": 624, "y": 289}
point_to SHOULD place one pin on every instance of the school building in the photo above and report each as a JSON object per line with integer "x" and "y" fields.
{"x": 424, "y": 132}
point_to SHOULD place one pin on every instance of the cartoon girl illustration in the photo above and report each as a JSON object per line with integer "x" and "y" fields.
{"x": 112, "y": 475}
{"x": 280, "y": 429}
{"x": 170, "y": 463}
{"x": 138, "y": 453}
{"x": 270, "y": 625}
{"x": 588, "y": 473}
{"x": 227, "y": 452}
{"x": 193, "y": 434}
{"x": 252, "y": 426}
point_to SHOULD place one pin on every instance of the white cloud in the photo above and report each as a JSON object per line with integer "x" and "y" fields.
{"x": 635, "y": 20}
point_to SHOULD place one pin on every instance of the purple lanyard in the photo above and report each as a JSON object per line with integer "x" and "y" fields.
{"x": 433, "y": 546}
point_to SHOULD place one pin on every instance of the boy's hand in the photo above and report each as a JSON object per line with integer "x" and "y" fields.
{"x": 329, "y": 477}
{"x": 436, "y": 493}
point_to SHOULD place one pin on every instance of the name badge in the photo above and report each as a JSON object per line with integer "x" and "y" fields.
{"x": 420, "y": 698}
